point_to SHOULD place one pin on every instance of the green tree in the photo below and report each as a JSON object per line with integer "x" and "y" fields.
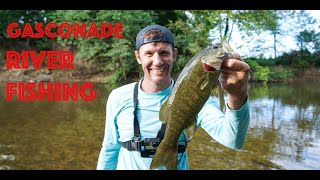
{"x": 22, "y": 17}
{"x": 275, "y": 28}
{"x": 113, "y": 54}
{"x": 308, "y": 40}
{"x": 224, "y": 21}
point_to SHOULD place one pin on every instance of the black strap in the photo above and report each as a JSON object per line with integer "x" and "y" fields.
{"x": 135, "y": 144}
{"x": 135, "y": 121}
{"x": 132, "y": 145}
{"x": 163, "y": 126}
{"x": 162, "y": 131}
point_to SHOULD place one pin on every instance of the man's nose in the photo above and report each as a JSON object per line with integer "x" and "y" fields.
{"x": 157, "y": 60}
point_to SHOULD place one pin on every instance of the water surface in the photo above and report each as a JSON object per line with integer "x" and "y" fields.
{"x": 284, "y": 132}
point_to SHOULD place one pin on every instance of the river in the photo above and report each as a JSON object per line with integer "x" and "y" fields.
{"x": 284, "y": 132}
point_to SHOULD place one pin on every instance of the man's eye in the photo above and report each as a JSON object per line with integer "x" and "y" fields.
{"x": 164, "y": 53}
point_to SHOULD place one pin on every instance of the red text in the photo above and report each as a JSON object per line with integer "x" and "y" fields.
{"x": 65, "y": 30}
{"x": 15, "y": 60}
{"x": 51, "y": 91}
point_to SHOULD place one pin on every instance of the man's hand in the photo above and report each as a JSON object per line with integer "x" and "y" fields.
{"x": 234, "y": 79}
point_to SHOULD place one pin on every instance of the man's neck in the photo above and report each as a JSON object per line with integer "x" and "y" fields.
{"x": 151, "y": 87}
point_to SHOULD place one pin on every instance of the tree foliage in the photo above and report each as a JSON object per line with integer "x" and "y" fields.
{"x": 112, "y": 54}
{"x": 21, "y": 17}
{"x": 193, "y": 30}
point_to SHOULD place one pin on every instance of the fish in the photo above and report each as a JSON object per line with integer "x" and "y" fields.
{"x": 192, "y": 89}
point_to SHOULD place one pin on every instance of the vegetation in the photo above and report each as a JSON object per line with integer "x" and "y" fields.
{"x": 193, "y": 30}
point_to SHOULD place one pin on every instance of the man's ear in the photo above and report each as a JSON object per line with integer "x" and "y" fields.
{"x": 137, "y": 56}
{"x": 174, "y": 55}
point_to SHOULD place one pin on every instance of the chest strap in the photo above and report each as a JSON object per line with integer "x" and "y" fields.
{"x": 136, "y": 144}
{"x": 136, "y": 126}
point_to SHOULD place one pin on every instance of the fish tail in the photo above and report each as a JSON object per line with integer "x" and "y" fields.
{"x": 165, "y": 156}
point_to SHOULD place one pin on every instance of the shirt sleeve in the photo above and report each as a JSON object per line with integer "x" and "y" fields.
{"x": 229, "y": 129}
{"x": 108, "y": 157}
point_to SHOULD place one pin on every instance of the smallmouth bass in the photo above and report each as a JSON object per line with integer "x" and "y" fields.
{"x": 191, "y": 91}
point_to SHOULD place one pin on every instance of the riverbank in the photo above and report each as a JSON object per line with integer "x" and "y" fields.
{"x": 81, "y": 72}
{"x": 312, "y": 74}
{"x": 91, "y": 73}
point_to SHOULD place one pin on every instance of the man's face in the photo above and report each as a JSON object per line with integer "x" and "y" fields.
{"x": 157, "y": 60}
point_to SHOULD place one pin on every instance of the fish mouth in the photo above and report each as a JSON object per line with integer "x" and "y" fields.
{"x": 212, "y": 66}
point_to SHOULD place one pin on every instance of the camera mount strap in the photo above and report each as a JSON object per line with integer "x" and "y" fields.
{"x": 136, "y": 122}
{"x": 136, "y": 143}
{"x": 161, "y": 132}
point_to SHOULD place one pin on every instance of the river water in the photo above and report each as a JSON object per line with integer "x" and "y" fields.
{"x": 284, "y": 132}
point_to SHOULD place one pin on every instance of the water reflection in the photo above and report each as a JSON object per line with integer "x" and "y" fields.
{"x": 52, "y": 135}
{"x": 284, "y": 132}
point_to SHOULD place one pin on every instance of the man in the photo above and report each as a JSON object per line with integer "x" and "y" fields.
{"x": 126, "y": 135}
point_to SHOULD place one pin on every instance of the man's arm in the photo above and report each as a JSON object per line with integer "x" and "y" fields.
{"x": 229, "y": 129}
{"x": 108, "y": 157}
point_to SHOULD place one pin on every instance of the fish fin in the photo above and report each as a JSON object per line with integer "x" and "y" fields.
{"x": 227, "y": 47}
{"x": 165, "y": 157}
{"x": 215, "y": 91}
{"x": 203, "y": 82}
{"x": 221, "y": 99}
{"x": 190, "y": 130}
{"x": 218, "y": 92}
{"x": 163, "y": 114}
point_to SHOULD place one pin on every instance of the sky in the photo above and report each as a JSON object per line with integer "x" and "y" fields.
{"x": 245, "y": 46}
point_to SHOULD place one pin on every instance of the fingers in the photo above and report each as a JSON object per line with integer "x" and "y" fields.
{"x": 238, "y": 57}
{"x": 234, "y": 65}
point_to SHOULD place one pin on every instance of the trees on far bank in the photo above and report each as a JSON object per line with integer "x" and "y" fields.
{"x": 193, "y": 30}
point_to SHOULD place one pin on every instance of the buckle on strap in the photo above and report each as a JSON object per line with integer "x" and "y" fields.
{"x": 132, "y": 145}
{"x": 182, "y": 147}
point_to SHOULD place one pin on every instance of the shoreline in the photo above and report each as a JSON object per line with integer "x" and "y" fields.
{"x": 45, "y": 75}
{"x": 81, "y": 74}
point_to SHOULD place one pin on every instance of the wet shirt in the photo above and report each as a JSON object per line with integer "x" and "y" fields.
{"x": 228, "y": 129}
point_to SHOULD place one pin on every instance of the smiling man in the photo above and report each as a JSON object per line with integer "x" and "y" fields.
{"x": 156, "y": 58}
{"x": 133, "y": 130}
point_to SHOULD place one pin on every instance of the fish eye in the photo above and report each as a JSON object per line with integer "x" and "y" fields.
{"x": 215, "y": 46}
